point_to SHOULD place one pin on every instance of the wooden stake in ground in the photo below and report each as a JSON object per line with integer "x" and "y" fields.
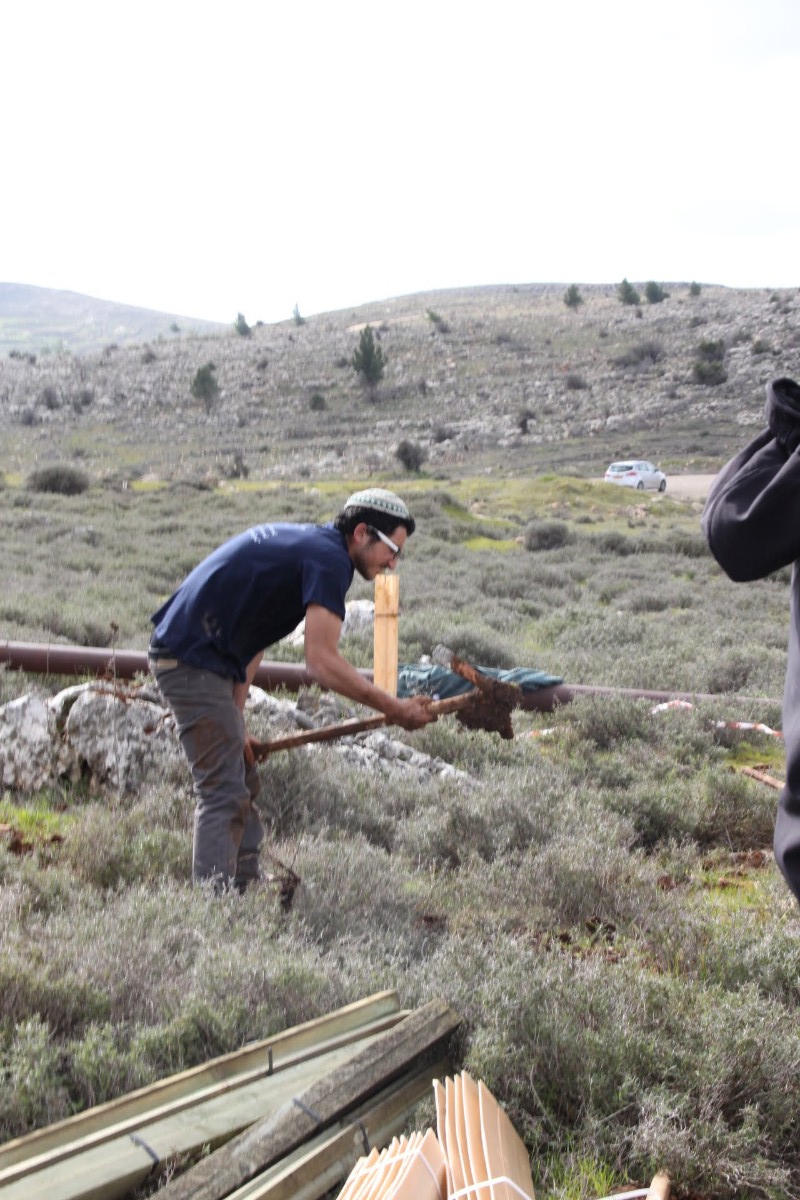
{"x": 385, "y": 637}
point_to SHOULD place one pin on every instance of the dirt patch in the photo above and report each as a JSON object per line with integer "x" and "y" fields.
{"x": 689, "y": 487}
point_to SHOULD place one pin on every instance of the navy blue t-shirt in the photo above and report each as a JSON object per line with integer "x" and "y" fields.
{"x": 252, "y": 591}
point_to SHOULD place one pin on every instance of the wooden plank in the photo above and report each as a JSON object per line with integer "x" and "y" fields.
{"x": 413, "y": 1039}
{"x": 259, "y": 1057}
{"x": 391, "y": 1168}
{"x": 461, "y": 1132}
{"x": 660, "y": 1187}
{"x": 472, "y": 1116}
{"x": 453, "y": 1154}
{"x": 110, "y": 1169}
{"x": 507, "y": 1157}
{"x": 762, "y": 777}
{"x": 355, "y": 1182}
{"x": 441, "y": 1130}
{"x": 424, "y": 1176}
{"x": 385, "y": 632}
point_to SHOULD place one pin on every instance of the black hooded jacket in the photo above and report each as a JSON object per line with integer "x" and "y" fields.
{"x": 752, "y": 523}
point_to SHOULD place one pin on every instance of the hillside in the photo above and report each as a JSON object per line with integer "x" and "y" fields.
{"x": 498, "y": 376}
{"x": 36, "y": 320}
{"x": 595, "y": 897}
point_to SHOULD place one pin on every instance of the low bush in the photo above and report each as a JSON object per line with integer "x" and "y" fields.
{"x": 547, "y": 535}
{"x": 646, "y": 353}
{"x": 654, "y": 292}
{"x": 627, "y": 293}
{"x": 205, "y": 386}
{"x": 62, "y": 479}
{"x": 50, "y": 398}
{"x": 410, "y": 454}
{"x": 708, "y": 368}
{"x": 611, "y": 541}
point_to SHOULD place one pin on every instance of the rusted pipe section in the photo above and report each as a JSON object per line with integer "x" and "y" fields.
{"x": 56, "y": 659}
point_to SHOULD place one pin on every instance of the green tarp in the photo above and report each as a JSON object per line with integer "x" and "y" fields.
{"x": 426, "y": 679}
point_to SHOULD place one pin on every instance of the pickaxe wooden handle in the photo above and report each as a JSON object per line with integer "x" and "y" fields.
{"x": 329, "y": 733}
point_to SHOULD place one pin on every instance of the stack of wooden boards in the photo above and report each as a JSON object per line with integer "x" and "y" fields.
{"x": 475, "y": 1152}
{"x": 287, "y": 1119}
{"x": 303, "y": 1103}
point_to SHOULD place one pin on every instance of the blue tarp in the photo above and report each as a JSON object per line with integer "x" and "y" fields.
{"x": 426, "y": 679}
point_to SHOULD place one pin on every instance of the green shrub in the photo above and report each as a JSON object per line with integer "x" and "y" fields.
{"x": 613, "y": 542}
{"x": 317, "y": 403}
{"x": 709, "y": 374}
{"x": 369, "y": 360}
{"x": 205, "y": 387}
{"x": 62, "y": 479}
{"x": 546, "y": 535}
{"x": 33, "y": 1092}
{"x": 646, "y": 353}
{"x": 654, "y": 292}
{"x": 572, "y": 297}
{"x": 438, "y": 322}
{"x": 480, "y": 644}
{"x": 627, "y": 293}
{"x": 83, "y": 400}
{"x": 241, "y": 326}
{"x": 410, "y": 454}
{"x": 708, "y": 367}
{"x": 50, "y": 398}
{"x": 694, "y": 289}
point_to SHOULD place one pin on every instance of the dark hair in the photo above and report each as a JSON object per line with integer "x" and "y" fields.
{"x": 348, "y": 518}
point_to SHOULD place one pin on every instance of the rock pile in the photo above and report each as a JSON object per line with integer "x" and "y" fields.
{"x": 112, "y": 738}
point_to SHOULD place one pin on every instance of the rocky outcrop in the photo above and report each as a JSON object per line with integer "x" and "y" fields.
{"x": 105, "y": 737}
{"x": 113, "y": 738}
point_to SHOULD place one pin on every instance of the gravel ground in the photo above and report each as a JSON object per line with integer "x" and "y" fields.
{"x": 689, "y": 487}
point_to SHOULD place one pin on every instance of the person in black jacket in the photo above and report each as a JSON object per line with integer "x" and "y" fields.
{"x": 752, "y": 523}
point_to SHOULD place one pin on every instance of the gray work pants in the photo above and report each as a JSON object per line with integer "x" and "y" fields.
{"x": 227, "y": 825}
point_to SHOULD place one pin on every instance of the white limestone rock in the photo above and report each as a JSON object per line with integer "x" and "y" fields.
{"x": 115, "y": 739}
{"x": 28, "y": 744}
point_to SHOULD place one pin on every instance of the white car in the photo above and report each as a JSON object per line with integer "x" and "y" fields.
{"x": 636, "y": 473}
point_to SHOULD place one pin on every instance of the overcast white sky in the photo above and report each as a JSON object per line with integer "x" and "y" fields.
{"x": 206, "y": 159}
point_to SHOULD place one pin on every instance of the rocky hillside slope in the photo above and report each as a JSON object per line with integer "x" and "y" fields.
{"x": 494, "y": 378}
{"x": 34, "y": 319}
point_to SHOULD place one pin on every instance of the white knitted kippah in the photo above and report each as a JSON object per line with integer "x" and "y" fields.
{"x": 380, "y": 500}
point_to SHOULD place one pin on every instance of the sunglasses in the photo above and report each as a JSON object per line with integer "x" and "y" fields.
{"x": 387, "y": 541}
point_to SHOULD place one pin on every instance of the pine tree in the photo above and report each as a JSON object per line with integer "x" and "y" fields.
{"x": 368, "y": 359}
{"x": 627, "y": 293}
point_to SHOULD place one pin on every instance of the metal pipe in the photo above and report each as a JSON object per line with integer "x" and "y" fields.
{"x": 55, "y": 659}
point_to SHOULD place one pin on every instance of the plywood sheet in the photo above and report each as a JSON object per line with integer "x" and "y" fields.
{"x": 505, "y": 1151}
{"x": 453, "y": 1153}
{"x": 424, "y": 1176}
{"x": 472, "y": 1119}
